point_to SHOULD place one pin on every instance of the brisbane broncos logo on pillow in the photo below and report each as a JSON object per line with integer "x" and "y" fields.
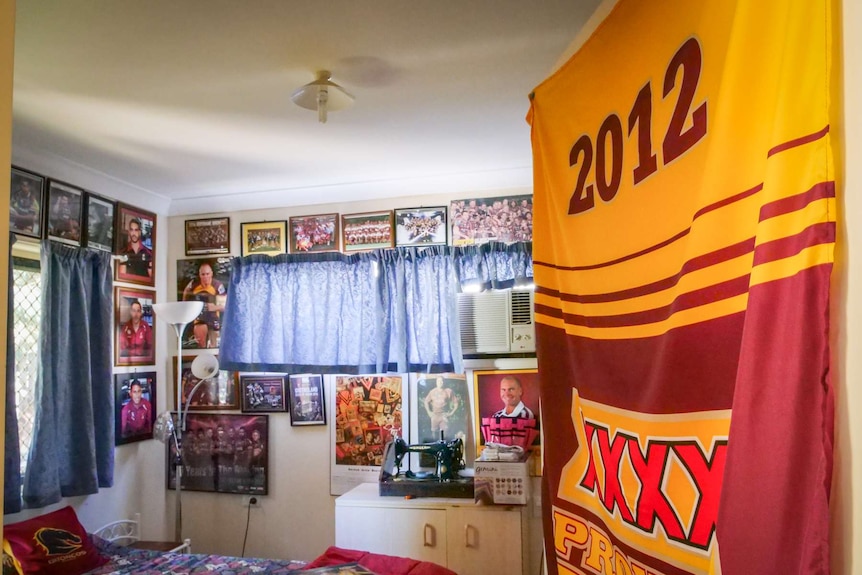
{"x": 57, "y": 541}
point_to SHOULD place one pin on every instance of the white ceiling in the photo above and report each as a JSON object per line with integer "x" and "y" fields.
{"x": 190, "y": 99}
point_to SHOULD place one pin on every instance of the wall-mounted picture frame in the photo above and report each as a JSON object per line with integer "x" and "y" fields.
{"x": 367, "y": 231}
{"x": 307, "y": 402}
{"x": 135, "y": 405}
{"x": 207, "y": 236}
{"x": 134, "y": 327}
{"x": 262, "y": 393}
{"x": 135, "y": 238}
{"x": 204, "y": 280}
{"x": 27, "y": 196}
{"x": 506, "y": 407}
{"x": 420, "y": 227}
{"x": 312, "y": 234}
{"x": 218, "y": 393}
{"x": 223, "y": 453}
{"x": 63, "y": 219}
{"x": 99, "y": 228}
{"x": 269, "y": 238}
{"x": 505, "y": 219}
{"x": 440, "y": 409}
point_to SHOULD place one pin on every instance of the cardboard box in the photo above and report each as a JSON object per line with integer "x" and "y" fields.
{"x": 502, "y": 482}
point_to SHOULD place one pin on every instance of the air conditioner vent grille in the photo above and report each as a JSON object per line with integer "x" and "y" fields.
{"x": 484, "y": 322}
{"x": 522, "y": 307}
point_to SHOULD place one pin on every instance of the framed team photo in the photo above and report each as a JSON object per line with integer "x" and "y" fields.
{"x": 312, "y": 234}
{"x": 307, "y": 404}
{"x": 100, "y": 223}
{"x": 135, "y": 330}
{"x": 135, "y": 405}
{"x": 367, "y": 231}
{"x": 135, "y": 238}
{"x": 505, "y": 219}
{"x": 507, "y": 407}
{"x": 219, "y": 392}
{"x": 205, "y": 280}
{"x": 262, "y": 393}
{"x": 27, "y": 196}
{"x": 65, "y": 204}
{"x": 420, "y": 227}
{"x": 207, "y": 236}
{"x": 269, "y": 238}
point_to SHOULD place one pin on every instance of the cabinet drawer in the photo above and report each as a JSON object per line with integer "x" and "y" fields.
{"x": 483, "y": 541}
{"x": 415, "y": 533}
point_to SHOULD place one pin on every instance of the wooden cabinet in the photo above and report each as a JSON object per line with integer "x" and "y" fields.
{"x": 455, "y": 533}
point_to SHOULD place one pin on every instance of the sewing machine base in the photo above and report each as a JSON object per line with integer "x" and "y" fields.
{"x": 402, "y": 486}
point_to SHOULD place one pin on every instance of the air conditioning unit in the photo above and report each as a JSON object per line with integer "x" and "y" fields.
{"x": 497, "y": 322}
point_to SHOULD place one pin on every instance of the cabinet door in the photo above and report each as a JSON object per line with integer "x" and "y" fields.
{"x": 484, "y": 541}
{"x": 415, "y": 533}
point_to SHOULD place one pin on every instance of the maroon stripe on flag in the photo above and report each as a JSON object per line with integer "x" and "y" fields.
{"x": 798, "y": 142}
{"x": 688, "y": 300}
{"x": 661, "y": 244}
{"x": 797, "y": 202}
{"x": 816, "y": 234}
{"x": 700, "y": 262}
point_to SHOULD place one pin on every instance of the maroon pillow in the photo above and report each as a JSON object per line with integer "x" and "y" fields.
{"x": 51, "y": 544}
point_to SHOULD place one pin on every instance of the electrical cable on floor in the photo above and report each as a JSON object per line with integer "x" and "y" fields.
{"x": 251, "y": 501}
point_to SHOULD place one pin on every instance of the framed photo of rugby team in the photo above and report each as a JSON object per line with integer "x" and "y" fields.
{"x": 366, "y": 231}
{"x": 312, "y": 234}
{"x": 25, "y": 203}
{"x": 421, "y": 227}
{"x": 218, "y": 393}
{"x": 262, "y": 393}
{"x": 207, "y": 236}
{"x": 269, "y": 238}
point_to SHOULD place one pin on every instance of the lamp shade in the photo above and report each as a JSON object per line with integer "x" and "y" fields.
{"x": 322, "y": 95}
{"x": 204, "y": 366}
{"x": 178, "y": 312}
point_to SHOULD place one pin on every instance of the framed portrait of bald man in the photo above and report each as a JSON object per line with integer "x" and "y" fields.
{"x": 507, "y": 407}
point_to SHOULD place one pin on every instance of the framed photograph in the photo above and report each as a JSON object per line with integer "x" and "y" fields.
{"x": 306, "y": 400}
{"x": 218, "y": 393}
{"x": 64, "y": 213}
{"x": 25, "y": 203}
{"x": 440, "y": 410}
{"x": 99, "y": 232}
{"x": 368, "y": 231}
{"x": 311, "y": 234}
{"x": 135, "y": 405}
{"x": 507, "y": 407}
{"x": 502, "y": 219}
{"x": 223, "y": 454}
{"x": 207, "y": 236}
{"x": 134, "y": 327}
{"x": 420, "y": 227}
{"x": 262, "y": 393}
{"x": 268, "y": 238}
{"x": 135, "y": 238}
{"x": 204, "y": 280}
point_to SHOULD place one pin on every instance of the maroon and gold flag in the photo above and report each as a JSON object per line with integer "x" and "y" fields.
{"x": 684, "y": 230}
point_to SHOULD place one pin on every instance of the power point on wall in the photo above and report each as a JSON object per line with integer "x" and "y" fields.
{"x": 252, "y": 501}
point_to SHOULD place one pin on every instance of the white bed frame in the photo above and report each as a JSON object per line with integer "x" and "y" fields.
{"x": 127, "y": 532}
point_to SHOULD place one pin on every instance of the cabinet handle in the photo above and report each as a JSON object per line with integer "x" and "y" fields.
{"x": 471, "y": 542}
{"x": 429, "y": 536}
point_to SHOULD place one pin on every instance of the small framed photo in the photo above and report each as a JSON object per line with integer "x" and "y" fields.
{"x": 135, "y": 404}
{"x": 420, "y": 227}
{"x": 216, "y": 394}
{"x": 205, "y": 280}
{"x": 502, "y": 219}
{"x": 135, "y": 238}
{"x": 261, "y": 393}
{"x": 368, "y": 231}
{"x": 268, "y": 238}
{"x": 25, "y": 203}
{"x": 100, "y": 223}
{"x": 507, "y": 407}
{"x": 134, "y": 331}
{"x": 207, "y": 236}
{"x": 311, "y": 234}
{"x": 224, "y": 453}
{"x": 306, "y": 400}
{"x": 64, "y": 213}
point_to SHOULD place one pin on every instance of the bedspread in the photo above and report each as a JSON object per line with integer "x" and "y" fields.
{"x": 129, "y": 561}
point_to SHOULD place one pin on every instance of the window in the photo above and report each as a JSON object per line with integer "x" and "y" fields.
{"x": 27, "y": 316}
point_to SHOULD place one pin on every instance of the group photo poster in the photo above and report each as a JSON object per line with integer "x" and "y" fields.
{"x": 505, "y": 219}
{"x": 205, "y": 280}
{"x": 367, "y": 411}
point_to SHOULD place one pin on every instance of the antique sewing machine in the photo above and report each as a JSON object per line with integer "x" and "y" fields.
{"x": 443, "y": 481}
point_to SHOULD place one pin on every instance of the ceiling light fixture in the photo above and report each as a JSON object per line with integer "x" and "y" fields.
{"x": 322, "y": 95}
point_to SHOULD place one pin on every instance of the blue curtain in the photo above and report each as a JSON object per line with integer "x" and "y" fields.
{"x": 12, "y": 451}
{"x": 73, "y": 439}
{"x": 378, "y": 311}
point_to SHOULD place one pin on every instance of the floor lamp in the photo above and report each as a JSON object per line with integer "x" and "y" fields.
{"x": 178, "y": 315}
